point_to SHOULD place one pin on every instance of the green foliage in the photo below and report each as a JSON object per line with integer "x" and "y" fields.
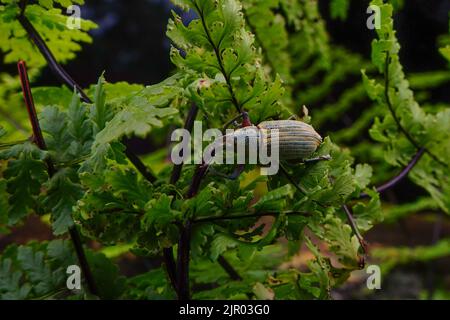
{"x": 271, "y": 35}
{"x": 25, "y": 173}
{"x": 35, "y": 271}
{"x": 50, "y": 22}
{"x": 152, "y": 285}
{"x": 427, "y": 130}
{"x": 267, "y": 58}
{"x": 339, "y": 9}
{"x": 62, "y": 193}
{"x": 39, "y": 271}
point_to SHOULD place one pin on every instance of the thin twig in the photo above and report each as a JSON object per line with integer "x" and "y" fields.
{"x": 49, "y": 57}
{"x": 139, "y": 165}
{"x": 219, "y": 60}
{"x": 71, "y": 83}
{"x": 168, "y": 257}
{"x": 232, "y": 273}
{"x": 171, "y": 267}
{"x": 354, "y": 227}
{"x": 392, "y": 182}
{"x": 292, "y": 181}
{"x": 184, "y": 242}
{"x": 38, "y": 139}
{"x": 84, "y": 264}
{"x": 175, "y": 277}
{"x": 188, "y": 125}
{"x": 251, "y": 215}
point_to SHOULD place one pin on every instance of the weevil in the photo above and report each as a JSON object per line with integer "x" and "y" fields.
{"x": 296, "y": 140}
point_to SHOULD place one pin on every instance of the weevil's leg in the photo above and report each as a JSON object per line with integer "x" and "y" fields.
{"x": 293, "y": 117}
{"x": 245, "y": 121}
{"x": 316, "y": 159}
{"x": 236, "y": 173}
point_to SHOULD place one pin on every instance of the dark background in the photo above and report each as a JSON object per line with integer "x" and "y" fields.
{"x": 130, "y": 43}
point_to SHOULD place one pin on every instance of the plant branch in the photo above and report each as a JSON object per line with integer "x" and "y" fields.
{"x": 71, "y": 83}
{"x": 49, "y": 57}
{"x": 259, "y": 41}
{"x": 168, "y": 252}
{"x": 84, "y": 264}
{"x": 219, "y": 60}
{"x": 184, "y": 243}
{"x": 392, "y": 182}
{"x": 354, "y": 227}
{"x": 38, "y": 139}
{"x": 397, "y": 120}
{"x": 138, "y": 164}
{"x": 420, "y": 150}
{"x": 292, "y": 181}
{"x": 171, "y": 267}
{"x": 184, "y": 248}
{"x": 232, "y": 273}
{"x": 188, "y": 125}
{"x": 251, "y": 215}
{"x": 168, "y": 257}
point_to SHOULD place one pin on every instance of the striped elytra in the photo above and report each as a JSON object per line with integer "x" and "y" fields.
{"x": 297, "y": 140}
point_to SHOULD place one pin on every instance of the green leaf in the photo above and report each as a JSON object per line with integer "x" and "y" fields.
{"x": 38, "y": 271}
{"x": 4, "y": 205}
{"x": 275, "y": 199}
{"x": 99, "y": 112}
{"x": 54, "y": 125}
{"x": 445, "y": 52}
{"x": 339, "y": 9}
{"x": 405, "y": 114}
{"x": 107, "y": 277}
{"x": 159, "y": 212}
{"x": 25, "y": 173}
{"x": 50, "y": 23}
{"x": 339, "y": 237}
{"x": 363, "y": 173}
{"x": 220, "y": 244}
{"x": 137, "y": 118}
{"x": 62, "y": 194}
{"x": 368, "y": 214}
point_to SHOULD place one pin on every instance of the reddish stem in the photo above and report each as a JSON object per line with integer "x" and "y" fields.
{"x": 38, "y": 139}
